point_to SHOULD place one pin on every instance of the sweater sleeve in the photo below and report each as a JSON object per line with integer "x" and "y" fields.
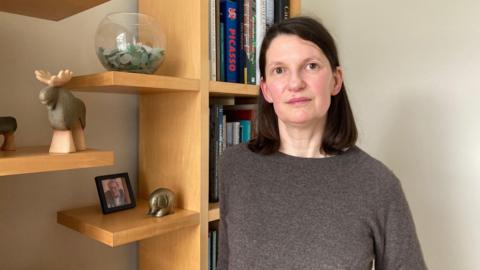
{"x": 396, "y": 243}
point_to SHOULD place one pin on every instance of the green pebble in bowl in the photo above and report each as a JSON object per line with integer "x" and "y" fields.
{"x": 137, "y": 58}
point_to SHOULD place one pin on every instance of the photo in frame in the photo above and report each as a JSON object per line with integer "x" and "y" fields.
{"x": 115, "y": 192}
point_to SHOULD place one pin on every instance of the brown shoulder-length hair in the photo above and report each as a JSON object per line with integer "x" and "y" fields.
{"x": 340, "y": 130}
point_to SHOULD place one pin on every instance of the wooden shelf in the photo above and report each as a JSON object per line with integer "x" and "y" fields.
{"x": 213, "y": 212}
{"x": 233, "y": 89}
{"x": 125, "y": 226}
{"x": 54, "y": 10}
{"x": 37, "y": 159}
{"x": 124, "y": 82}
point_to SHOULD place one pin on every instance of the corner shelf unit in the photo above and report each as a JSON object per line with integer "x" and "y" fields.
{"x": 37, "y": 159}
{"x": 173, "y": 142}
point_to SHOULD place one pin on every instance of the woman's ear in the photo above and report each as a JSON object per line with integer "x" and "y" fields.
{"x": 265, "y": 91}
{"x": 338, "y": 81}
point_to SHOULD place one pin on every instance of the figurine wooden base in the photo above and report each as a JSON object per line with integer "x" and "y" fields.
{"x": 9, "y": 142}
{"x": 68, "y": 141}
{"x": 62, "y": 142}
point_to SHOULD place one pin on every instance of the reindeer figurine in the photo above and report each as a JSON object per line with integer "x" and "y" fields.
{"x": 65, "y": 112}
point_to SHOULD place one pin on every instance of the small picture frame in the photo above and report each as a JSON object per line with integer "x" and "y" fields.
{"x": 115, "y": 192}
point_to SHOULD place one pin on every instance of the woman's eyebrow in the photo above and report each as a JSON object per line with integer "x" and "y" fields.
{"x": 276, "y": 63}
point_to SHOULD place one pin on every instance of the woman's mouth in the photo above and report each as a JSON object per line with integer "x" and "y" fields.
{"x": 298, "y": 100}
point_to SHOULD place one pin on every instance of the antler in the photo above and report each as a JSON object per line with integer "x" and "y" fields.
{"x": 60, "y": 79}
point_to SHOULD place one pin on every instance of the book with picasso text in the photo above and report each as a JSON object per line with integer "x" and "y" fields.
{"x": 232, "y": 34}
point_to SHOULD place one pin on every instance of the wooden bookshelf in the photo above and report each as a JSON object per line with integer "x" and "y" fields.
{"x": 54, "y": 10}
{"x": 131, "y": 83}
{"x": 213, "y": 212}
{"x": 37, "y": 159}
{"x": 233, "y": 89}
{"x": 125, "y": 226}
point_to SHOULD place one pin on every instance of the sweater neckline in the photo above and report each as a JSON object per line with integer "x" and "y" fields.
{"x": 291, "y": 158}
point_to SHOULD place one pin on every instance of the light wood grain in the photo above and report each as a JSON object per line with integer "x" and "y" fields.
{"x": 125, "y": 226}
{"x": 171, "y": 251}
{"x": 169, "y": 156}
{"x": 124, "y": 82}
{"x": 232, "y": 89}
{"x": 37, "y": 159}
{"x": 295, "y": 8}
{"x": 181, "y": 22}
{"x": 48, "y": 9}
{"x": 202, "y": 264}
{"x": 213, "y": 212}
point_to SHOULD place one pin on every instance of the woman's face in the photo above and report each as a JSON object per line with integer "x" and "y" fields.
{"x": 299, "y": 81}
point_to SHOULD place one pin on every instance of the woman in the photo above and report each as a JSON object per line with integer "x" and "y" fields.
{"x": 301, "y": 195}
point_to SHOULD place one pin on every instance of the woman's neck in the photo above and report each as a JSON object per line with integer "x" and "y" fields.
{"x": 301, "y": 141}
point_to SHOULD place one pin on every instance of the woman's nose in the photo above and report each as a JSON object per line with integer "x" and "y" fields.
{"x": 296, "y": 82}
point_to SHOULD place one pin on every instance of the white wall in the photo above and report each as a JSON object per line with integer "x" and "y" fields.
{"x": 30, "y": 238}
{"x": 412, "y": 73}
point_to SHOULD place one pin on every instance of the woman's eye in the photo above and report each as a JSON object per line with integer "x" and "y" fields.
{"x": 312, "y": 65}
{"x": 278, "y": 70}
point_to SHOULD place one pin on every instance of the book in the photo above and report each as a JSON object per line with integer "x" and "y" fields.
{"x": 212, "y": 52}
{"x": 210, "y": 249}
{"x": 282, "y": 10}
{"x": 231, "y": 39}
{"x": 252, "y": 54}
{"x": 245, "y": 131}
{"x": 221, "y": 45}
{"x": 241, "y": 58}
{"x": 214, "y": 250}
{"x": 270, "y": 13}
{"x": 261, "y": 25}
{"x": 216, "y": 147}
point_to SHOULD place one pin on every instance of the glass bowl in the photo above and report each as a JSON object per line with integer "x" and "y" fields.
{"x": 131, "y": 42}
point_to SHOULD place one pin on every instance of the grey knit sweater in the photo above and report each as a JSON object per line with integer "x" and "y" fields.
{"x": 285, "y": 212}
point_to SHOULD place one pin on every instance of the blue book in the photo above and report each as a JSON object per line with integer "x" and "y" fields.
{"x": 245, "y": 127}
{"x": 229, "y": 9}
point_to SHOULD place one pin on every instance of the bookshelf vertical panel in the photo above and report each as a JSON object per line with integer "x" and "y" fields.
{"x": 295, "y": 8}
{"x": 181, "y": 22}
{"x": 170, "y": 146}
{"x": 169, "y": 156}
{"x": 204, "y": 12}
{"x": 168, "y": 251}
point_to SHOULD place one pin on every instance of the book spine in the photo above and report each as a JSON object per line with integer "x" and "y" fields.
{"x": 236, "y": 133}
{"x": 270, "y": 11}
{"x": 212, "y": 46}
{"x": 222, "y": 40}
{"x": 214, "y": 250}
{"x": 217, "y": 39}
{"x": 241, "y": 49}
{"x": 224, "y": 132}
{"x": 246, "y": 35}
{"x": 210, "y": 250}
{"x": 261, "y": 29}
{"x": 252, "y": 47}
{"x": 229, "y": 134}
{"x": 282, "y": 10}
{"x": 211, "y": 154}
{"x": 286, "y": 9}
{"x": 231, "y": 40}
{"x": 246, "y": 130}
